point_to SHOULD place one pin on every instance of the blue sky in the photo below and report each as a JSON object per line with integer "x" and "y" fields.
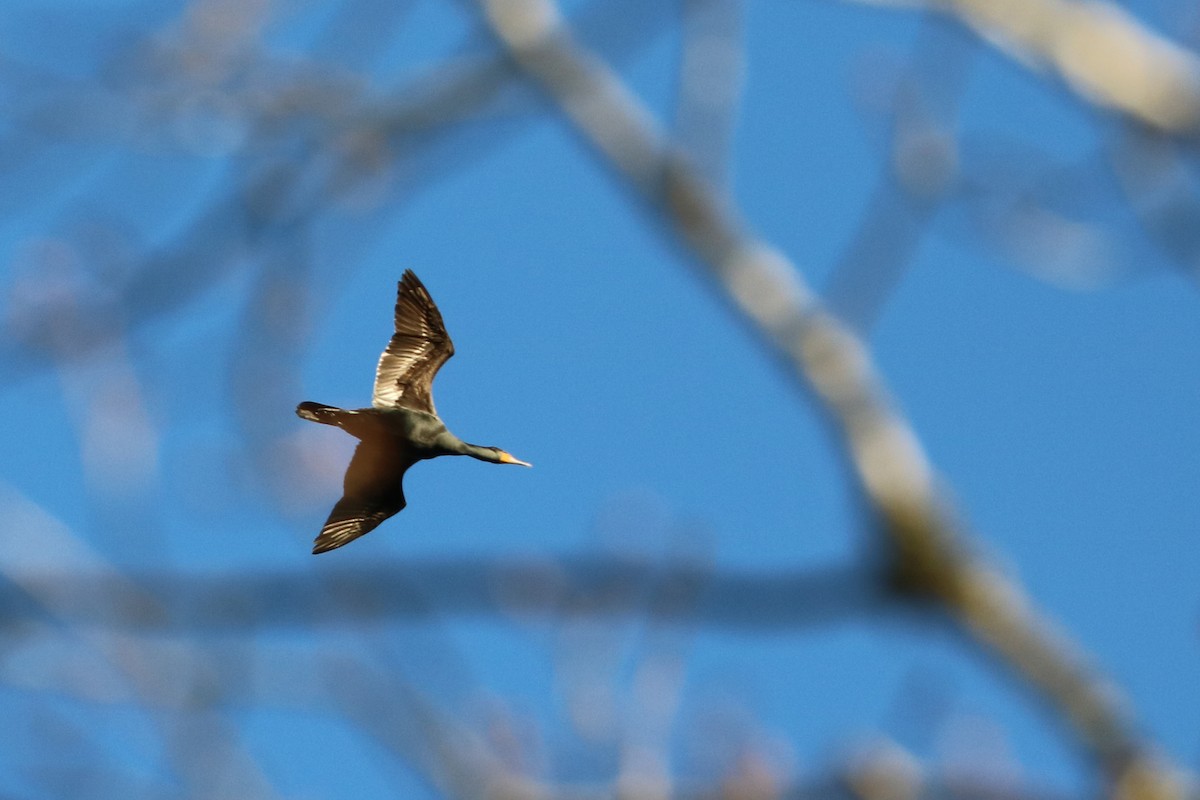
{"x": 1063, "y": 421}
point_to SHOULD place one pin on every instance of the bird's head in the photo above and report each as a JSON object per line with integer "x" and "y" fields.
{"x": 504, "y": 457}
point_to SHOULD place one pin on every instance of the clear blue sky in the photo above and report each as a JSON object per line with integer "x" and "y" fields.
{"x": 1064, "y": 421}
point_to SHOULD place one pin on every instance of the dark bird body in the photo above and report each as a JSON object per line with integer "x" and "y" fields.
{"x": 402, "y": 426}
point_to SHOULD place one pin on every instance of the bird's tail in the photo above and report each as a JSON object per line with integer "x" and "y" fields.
{"x": 327, "y": 415}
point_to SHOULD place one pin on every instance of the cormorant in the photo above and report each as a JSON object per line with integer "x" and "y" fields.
{"x": 401, "y": 427}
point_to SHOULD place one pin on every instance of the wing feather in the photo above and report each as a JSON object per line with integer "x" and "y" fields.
{"x": 416, "y": 351}
{"x": 373, "y": 490}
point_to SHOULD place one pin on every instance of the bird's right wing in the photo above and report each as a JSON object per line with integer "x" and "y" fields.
{"x": 372, "y": 492}
{"x": 416, "y": 351}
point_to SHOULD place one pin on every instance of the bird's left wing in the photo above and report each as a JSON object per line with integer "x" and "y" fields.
{"x": 416, "y": 352}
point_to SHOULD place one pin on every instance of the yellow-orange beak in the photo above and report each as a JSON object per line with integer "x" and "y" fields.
{"x": 507, "y": 458}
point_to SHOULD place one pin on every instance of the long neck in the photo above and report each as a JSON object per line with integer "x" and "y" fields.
{"x": 457, "y": 447}
{"x": 482, "y": 453}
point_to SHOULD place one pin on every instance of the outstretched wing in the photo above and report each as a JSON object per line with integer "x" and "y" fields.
{"x": 372, "y": 492}
{"x": 416, "y": 352}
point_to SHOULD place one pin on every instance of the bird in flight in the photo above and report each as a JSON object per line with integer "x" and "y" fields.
{"x": 400, "y": 428}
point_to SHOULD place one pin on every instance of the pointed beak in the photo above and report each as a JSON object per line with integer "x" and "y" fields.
{"x": 507, "y": 458}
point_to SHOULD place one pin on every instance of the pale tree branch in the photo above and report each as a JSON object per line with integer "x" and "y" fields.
{"x": 1098, "y": 49}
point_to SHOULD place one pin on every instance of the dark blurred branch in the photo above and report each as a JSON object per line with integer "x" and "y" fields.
{"x": 598, "y": 586}
{"x": 926, "y": 554}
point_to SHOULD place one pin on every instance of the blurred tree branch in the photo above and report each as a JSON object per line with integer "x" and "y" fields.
{"x": 171, "y": 602}
{"x": 1096, "y": 47}
{"x": 920, "y": 173}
